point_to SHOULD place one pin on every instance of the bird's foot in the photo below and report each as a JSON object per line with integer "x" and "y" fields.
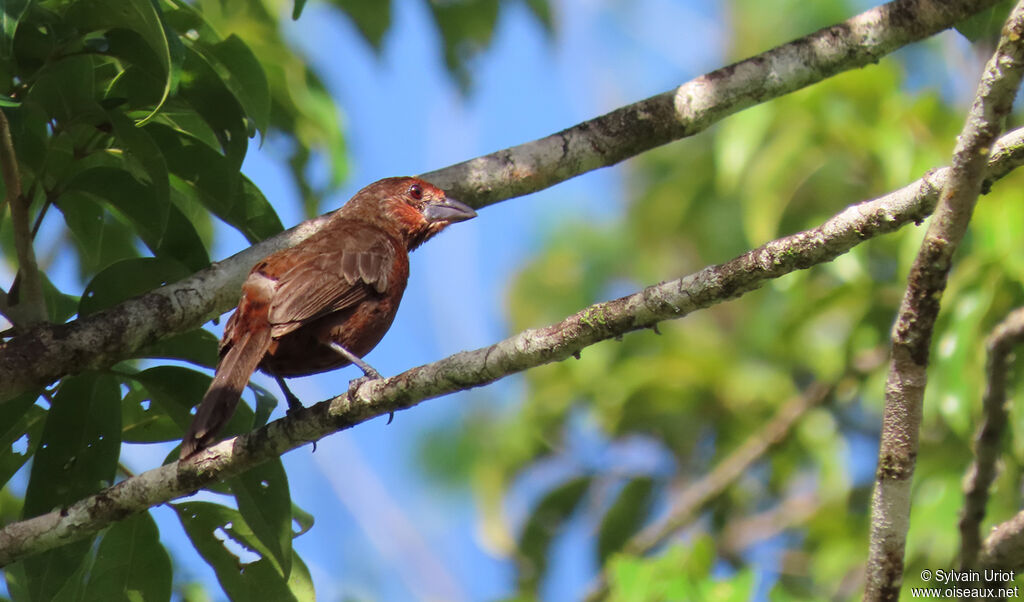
{"x": 294, "y": 405}
{"x": 355, "y": 383}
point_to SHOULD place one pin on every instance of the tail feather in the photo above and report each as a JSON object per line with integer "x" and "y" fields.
{"x": 221, "y": 399}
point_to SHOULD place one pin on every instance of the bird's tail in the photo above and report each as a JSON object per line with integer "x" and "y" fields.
{"x": 218, "y": 405}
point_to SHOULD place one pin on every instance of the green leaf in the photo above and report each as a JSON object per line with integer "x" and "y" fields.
{"x": 19, "y": 418}
{"x": 197, "y": 346}
{"x": 99, "y": 237}
{"x": 178, "y": 389}
{"x": 131, "y": 564}
{"x": 625, "y": 516}
{"x": 303, "y": 518}
{"x": 122, "y": 192}
{"x": 265, "y": 503}
{"x": 209, "y": 525}
{"x": 466, "y": 28}
{"x": 126, "y": 279}
{"x": 243, "y": 75}
{"x": 141, "y": 16}
{"x": 65, "y": 90}
{"x": 372, "y": 19}
{"x": 297, "y": 9}
{"x": 203, "y": 88}
{"x": 544, "y": 523}
{"x": 987, "y": 24}
{"x": 145, "y": 421}
{"x": 216, "y": 183}
{"x": 141, "y": 148}
{"x": 175, "y": 388}
{"x": 265, "y": 404}
{"x": 164, "y": 229}
{"x": 59, "y": 306}
{"x": 10, "y": 15}
{"x": 77, "y": 456}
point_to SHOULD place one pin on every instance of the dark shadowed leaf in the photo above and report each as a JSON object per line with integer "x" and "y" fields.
{"x": 544, "y": 523}
{"x": 77, "y": 456}
{"x": 265, "y": 503}
{"x": 466, "y": 28}
{"x": 141, "y": 16}
{"x": 244, "y": 77}
{"x": 145, "y": 421}
{"x": 220, "y": 534}
{"x": 216, "y": 183}
{"x": 625, "y": 516}
{"x": 10, "y": 15}
{"x": 986, "y": 25}
{"x": 65, "y": 89}
{"x": 211, "y": 98}
{"x": 198, "y": 346}
{"x": 371, "y": 18}
{"x": 131, "y": 563}
{"x": 21, "y": 424}
{"x": 126, "y": 279}
{"x": 59, "y": 306}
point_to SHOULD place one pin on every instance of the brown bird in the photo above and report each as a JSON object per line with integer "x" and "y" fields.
{"x": 327, "y": 301}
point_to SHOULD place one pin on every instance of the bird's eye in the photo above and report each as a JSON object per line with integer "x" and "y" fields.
{"x": 416, "y": 191}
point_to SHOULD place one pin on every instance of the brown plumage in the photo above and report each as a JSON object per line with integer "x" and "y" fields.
{"x": 312, "y": 307}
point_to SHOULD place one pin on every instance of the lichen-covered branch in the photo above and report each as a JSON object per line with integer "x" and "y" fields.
{"x": 603, "y": 321}
{"x": 39, "y": 356}
{"x": 912, "y": 332}
{"x": 982, "y": 472}
{"x": 694, "y": 106}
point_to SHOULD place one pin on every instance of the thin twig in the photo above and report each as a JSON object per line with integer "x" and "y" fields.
{"x": 26, "y": 306}
{"x": 912, "y": 332}
{"x": 687, "y": 505}
{"x": 982, "y": 472}
{"x": 42, "y": 355}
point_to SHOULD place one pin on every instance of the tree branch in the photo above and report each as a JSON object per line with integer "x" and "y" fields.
{"x": 694, "y": 106}
{"x": 982, "y": 472}
{"x": 48, "y": 352}
{"x": 25, "y": 305}
{"x": 912, "y": 332}
{"x": 1004, "y": 546}
{"x": 669, "y": 300}
{"x": 686, "y": 506}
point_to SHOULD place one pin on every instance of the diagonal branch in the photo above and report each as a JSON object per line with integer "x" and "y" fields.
{"x": 26, "y": 306}
{"x": 912, "y": 332}
{"x": 982, "y": 472}
{"x": 669, "y": 300}
{"x": 48, "y": 352}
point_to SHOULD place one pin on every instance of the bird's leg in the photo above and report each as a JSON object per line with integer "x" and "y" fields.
{"x": 366, "y": 368}
{"x": 369, "y": 373}
{"x": 294, "y": 405}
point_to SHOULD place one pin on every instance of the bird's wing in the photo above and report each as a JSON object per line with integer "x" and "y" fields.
{"x": 329, "y": 278}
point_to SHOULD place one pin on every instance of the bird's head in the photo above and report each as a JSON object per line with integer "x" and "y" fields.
{"x": 411, "y": 208}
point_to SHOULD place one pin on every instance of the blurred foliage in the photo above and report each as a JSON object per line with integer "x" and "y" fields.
{"x": 632, "y": 423}
{"x": 130, "y": 121}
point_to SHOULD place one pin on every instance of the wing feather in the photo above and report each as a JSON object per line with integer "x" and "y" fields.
{"x": 319, "y": 283}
